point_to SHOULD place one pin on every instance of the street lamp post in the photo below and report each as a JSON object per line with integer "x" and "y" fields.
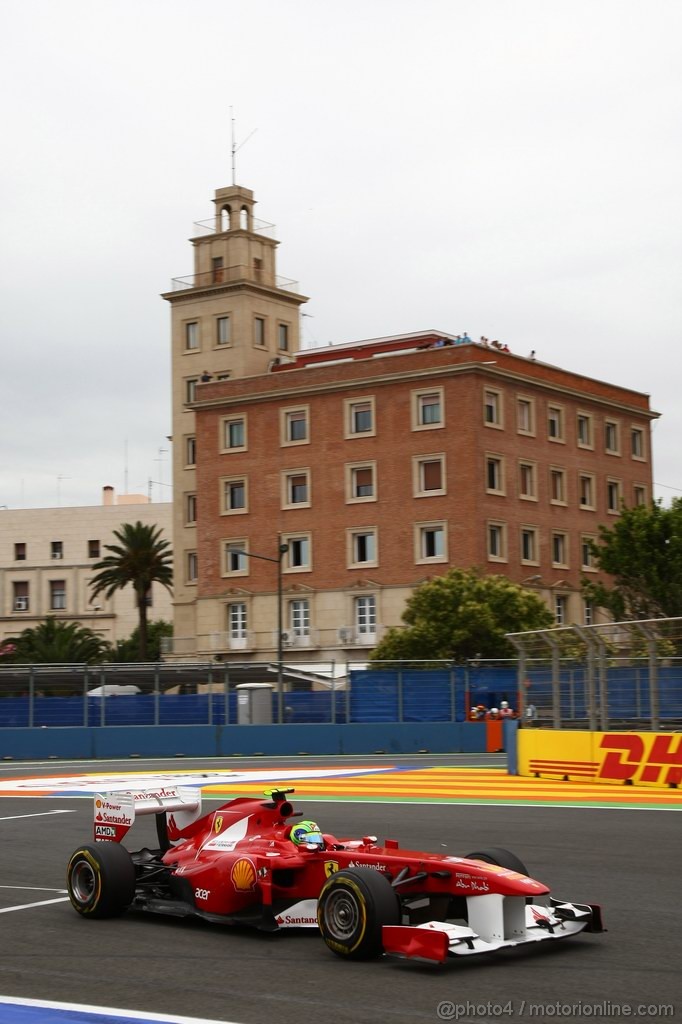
{"x": 281, "y": 552}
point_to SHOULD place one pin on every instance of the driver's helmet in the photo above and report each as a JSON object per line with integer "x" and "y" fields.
{"x": 306, "y": 833}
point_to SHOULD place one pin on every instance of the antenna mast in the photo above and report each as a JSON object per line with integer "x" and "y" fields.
{"x": 235, "y": 148}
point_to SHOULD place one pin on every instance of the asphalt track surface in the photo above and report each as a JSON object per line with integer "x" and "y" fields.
{"x": 626, "y": 858}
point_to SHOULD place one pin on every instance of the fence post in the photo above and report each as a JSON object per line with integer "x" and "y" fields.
{"x": 654, "y": 708}
{"x": 31, "y": 696}
{"x": 85, "y": 698}
{"x": 603, "y": 684}
{"x": 226, "y": 692}
{"x": 348, "y": 693}
{"x": 400, "y": 694}
{"x": 587, "y": 637}
{"x": 157, "y": 696}
{"x": 453, "y": 695}
{"x": 210, "y": 696}
{"x": 333, "y": 715}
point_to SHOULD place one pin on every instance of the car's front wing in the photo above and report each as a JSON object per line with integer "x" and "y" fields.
{"x": 494, "y": 922}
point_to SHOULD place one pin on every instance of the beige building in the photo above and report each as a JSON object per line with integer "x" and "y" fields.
{"x": 46, "y": 564}
{"x": 232, "y": 318}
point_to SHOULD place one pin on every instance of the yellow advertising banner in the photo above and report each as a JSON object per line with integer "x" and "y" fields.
{"x": 619, "y": 758}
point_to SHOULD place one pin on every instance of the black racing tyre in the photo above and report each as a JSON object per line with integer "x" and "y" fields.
{"x": 353, "y": 907}
{"x": 101, "y": 880}
{"x": 503, "y": 858}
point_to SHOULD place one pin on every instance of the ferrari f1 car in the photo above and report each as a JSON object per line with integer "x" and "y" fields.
{"x": 252, "y": 862}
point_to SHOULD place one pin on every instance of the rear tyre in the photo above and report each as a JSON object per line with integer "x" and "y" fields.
{"x": 101, "y": 880}
{"x": 353, "y": 907}
{"x": 503, "y": 858}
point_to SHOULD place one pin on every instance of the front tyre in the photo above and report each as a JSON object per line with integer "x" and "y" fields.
{"x": 101, "y": 880}
{"x": 353, "y": 907}
{"x": 503, "y": 858}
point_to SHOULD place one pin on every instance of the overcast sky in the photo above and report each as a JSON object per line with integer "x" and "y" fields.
{"x": 506, "y": 167}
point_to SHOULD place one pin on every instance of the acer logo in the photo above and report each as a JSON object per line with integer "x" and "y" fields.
{"x": 202, "y": 894}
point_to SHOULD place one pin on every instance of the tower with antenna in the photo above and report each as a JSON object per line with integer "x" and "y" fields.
{"x": 232, "y": 317}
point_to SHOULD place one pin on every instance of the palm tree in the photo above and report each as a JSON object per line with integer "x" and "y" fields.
{"x": 141, "y": 557}
{"x": 54, "y": 642}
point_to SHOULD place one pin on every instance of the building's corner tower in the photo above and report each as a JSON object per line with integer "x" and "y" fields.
{"x": 233, "y": 317}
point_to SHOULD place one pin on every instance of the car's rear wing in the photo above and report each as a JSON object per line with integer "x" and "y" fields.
{"x": 114, "y": 813}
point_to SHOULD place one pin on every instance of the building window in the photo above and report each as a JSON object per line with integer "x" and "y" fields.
{"x": 639, "y": 494}
{"x": 283, "y": 337}
{"x": 360, "y": 417}
{"x": 365, "y": 615}
{"x": 93, "y": 549}
{"x": 430, "y": 542}
{"x": 637, "y": 443}
{"x": 362, "y": 546}
{"x": 587, "y": 490}
{"x": 234, "y": 434}
{"x": 237, "y": 620}
{"x": 20, "y": 596}
{"x": 525, "y": 416}
{"x": 527, "y": 485}
{"x": 235, "y": 497}
{"x": 560, "y": 609}
{"x": 217, "y": 270}
{"x": 190, "y": 509}
{"x": 611, "y": 437}
{"x": 557, "y": 486}
{"x": 192, "y": 336}
{"x": 555, "y": 423}
{"x": 497, "y": 542}
{"x": 585, "y": 430}
{"x": 560, "y": 549}
{"x": 529, "y": 545}
{"x": 295, "y": 426}
{"x": 587, "y": 560}
{"x": 494, "y": 474}
{"x": 223, "y": 331}
{"x": 259, "y": 331}
{"x": 191, "y": 389}
{"x": 296, "y": 488}
{"x": 428, "y": 475}
{"x": 190, "y": 450}
{"x": 192, "y": 567}
{"x": 614, "y": 496}
{"x": 57, "y": 595}
{"x": 299, "y": 617}
{"x": 298, "y": 555}
{"x": 20, "y": 552}
{"x": 360, "y": 482}
{"x": 56, "y": 549}
{"x": 427, "y": 409}
{"x": 235, "y": 558}
{"x": 588, "y": 613}
{"x": 492, "y": 408}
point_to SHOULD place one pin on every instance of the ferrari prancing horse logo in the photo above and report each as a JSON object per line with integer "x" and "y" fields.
{"x": 218, "y": 823}
{"x": 330, "y": 868}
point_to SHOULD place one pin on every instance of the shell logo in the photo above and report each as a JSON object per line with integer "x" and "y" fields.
{"x": 98, "y": 803}
{"x": 243, "y": 875}
{"x": 218, "y": 823}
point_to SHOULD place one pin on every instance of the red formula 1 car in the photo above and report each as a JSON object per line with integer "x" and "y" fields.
{"x": 253, "y": 862}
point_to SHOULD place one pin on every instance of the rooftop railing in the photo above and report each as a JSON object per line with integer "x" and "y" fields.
{"x": 229, "y": 275}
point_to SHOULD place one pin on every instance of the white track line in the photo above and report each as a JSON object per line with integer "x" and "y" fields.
{"x": 28, "y": 906}
{"x": 37, "y": 814}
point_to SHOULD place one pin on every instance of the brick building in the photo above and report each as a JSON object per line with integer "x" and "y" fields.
{"x": 378, "y": 465}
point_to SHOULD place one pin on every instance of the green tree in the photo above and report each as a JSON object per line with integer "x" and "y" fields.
{"x": 464, "y": 614}
{"x": 128, "y": 649}
{"x": 140, "y": 558}
{"x": 54, "y": 642}
{"x": 642, "y": 552}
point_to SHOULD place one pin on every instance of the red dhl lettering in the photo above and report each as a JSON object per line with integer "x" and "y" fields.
{"x": 626, "y": 754}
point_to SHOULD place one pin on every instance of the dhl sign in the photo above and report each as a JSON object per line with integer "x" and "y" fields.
{"x": 639, "y": 759}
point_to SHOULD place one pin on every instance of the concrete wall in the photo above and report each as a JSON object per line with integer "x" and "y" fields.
{"x": 246, "y": 740}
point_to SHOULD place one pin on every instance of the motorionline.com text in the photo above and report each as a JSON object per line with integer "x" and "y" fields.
{"x": 525, "y": 1009}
